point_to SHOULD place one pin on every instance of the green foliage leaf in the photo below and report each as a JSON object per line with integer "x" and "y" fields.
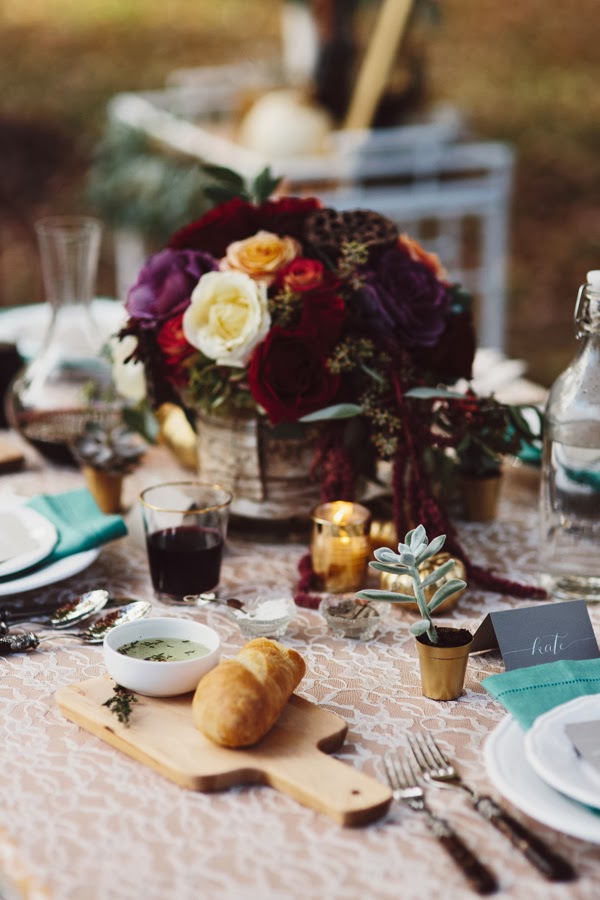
{"x": 420, "y": 627}
{"x": 387, "y": 596}
{"x": 263, "y": 185}
{"x": 337, "y": 411}
{"x": 437, "y": 393}
{"x": 397, "y": 569}
{"x": 221, "y": 193}
{"x": 439, "y": 573}
{"x": 225, "y": 176}
{"x": 434, "y": 547}
{"x": 142, "y": 420}
{"x": 386, "y": 555}
{"x": 372, "y": 373}
{"x": 445, "y": 591}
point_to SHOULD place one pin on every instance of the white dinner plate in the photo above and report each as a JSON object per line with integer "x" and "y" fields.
{"x": 552, "y": 754}
{"x": 56, "y": 571}
{"x": 25, "y": 326}
{"x": 512, "y": 774}
{"x": 26, "y": 538}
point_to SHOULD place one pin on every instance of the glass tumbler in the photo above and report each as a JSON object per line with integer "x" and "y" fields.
{"x": 185, "y": 524}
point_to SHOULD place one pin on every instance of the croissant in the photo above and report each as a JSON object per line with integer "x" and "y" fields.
{"x": 239, "y": 701}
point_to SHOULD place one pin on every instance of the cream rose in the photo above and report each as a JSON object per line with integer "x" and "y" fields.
{"x": 261, "y": 255}
{"x": 227, "y": 317}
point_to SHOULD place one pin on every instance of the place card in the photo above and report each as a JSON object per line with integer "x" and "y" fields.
{"x": 585, "y": 737}
{"x": 538, "y": 634}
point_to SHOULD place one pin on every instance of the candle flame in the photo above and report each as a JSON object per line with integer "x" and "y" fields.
{"x": 343, "y": 512}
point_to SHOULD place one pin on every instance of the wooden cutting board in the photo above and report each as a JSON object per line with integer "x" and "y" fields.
{"x": 291, "y": 758}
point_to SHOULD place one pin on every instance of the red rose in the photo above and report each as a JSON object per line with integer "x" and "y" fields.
{"x": 288, "y": 376}
{"x": 301, "y": 275}
{"x": 175, "y": 349}
{"x": 238, "y": 219}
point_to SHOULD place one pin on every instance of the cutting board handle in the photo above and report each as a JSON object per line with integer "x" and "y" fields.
{"x": 330, "y": 786}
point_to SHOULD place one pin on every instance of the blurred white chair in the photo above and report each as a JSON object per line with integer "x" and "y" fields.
{"x": 451, "y": 195}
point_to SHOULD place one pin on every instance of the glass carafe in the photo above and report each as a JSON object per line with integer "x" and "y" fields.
{"x": 68, "y": 382}
{"x": 570, "y": 485}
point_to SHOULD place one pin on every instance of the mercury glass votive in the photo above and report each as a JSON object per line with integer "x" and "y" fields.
{"x": 340, "y": 545}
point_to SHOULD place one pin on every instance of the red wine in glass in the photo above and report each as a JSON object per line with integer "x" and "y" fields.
{"x": 184, "y": 560}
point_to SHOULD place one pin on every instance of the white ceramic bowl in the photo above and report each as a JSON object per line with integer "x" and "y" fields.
{"x": 160, "y": 679}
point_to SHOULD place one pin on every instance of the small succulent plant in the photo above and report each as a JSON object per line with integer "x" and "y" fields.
{"x": 114, "y": 450}
{"x": 411, "y": 554}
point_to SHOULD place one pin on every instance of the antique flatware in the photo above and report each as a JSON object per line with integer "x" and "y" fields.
{"x": 436, "y": 769}
{"x": 94, "y": 634}
{"x": 402, "y": 778}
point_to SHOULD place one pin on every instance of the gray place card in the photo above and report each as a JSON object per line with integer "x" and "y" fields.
{"x": 585, "y": 737}
{"x": 538, "y": 634}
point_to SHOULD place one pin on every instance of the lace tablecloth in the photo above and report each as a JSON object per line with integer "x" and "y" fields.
{"x": 81, "y": 820}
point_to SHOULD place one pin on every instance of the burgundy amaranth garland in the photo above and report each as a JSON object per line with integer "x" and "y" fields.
{"x": 338, "y": 476}
{"x": 413, "y": 501}
{"x": 422, "y": 507}
{"x": 333, "y": 463}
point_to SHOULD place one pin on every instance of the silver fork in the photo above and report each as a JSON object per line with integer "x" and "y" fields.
{"x": 402, "y": 778}
{"x": 436, "y": 769}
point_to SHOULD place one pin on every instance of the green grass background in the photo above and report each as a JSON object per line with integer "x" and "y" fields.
{"x": 526, "y": 72}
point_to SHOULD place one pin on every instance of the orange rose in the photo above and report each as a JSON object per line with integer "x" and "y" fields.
{"x": 261, "y": 255}
{"x": 419, "y": 254}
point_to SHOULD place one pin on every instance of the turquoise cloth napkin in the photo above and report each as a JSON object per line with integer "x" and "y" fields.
{"x": 528, "y": 693}
{"x": 78, "y": 520}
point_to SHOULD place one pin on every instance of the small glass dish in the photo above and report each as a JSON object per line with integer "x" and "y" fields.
{"x": 348, "y": 617}
{"x": 266, "y": 612}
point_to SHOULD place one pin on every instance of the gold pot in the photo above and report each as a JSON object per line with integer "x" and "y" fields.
{"x": 105, "y": 488}
{"x": 480, "y": 497}
{"x": 443, "y": 668}
{"x": 402, "y": 584}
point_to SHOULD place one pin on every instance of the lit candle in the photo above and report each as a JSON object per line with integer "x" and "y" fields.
{"x": 340, "y": 545}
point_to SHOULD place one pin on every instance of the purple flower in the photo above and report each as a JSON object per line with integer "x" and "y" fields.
{"x": 165, "y": 284}
{"x": 404, "y": 303}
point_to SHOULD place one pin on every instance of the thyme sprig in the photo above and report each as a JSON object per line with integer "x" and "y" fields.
{"x": 120, "y": 703}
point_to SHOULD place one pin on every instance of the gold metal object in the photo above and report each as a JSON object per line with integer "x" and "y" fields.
{"x": 382, "y": 533}
{"x": 340, "y": 545}
{"x": 402, "y": 584}
{"x": 480, "y": 497}
{"x": 443, "y": 669}
{"x": 178, "y": 435}
{"x": 105, "y": 488}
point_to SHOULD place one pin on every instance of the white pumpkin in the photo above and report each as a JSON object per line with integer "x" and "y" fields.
{"x": 284, "y": 123}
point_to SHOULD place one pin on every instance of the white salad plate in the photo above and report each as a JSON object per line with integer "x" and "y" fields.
{"x": 26, "y": 537}
{"x": 26, "y": 326}
{"x": 553, "y": 757}
{"x": 512, "y": 774}
{"x": 56, "y": 571}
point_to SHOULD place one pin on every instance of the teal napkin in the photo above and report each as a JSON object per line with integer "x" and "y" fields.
{"x": 78, "y": 520}
{"x": 528, "y": 693}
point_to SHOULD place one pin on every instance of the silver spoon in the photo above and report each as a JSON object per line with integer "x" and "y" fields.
{"x": 81, "y": 608}
{"x": 210, "y": 597}
{"x": 94, "y": 634}
{"x": 64, "y": 616}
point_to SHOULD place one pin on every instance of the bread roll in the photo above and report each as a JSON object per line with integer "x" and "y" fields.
{"x": 239, "y": 701}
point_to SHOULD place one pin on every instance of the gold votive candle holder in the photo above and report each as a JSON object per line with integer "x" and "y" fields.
{"x": 340, "y": 545}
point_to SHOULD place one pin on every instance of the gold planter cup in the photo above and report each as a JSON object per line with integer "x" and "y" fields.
{"x": 480, "y": 497}
{"x": 105, "y": 488}
{"x": 443, "y": 668}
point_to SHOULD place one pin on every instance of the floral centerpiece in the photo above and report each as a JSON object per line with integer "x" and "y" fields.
{"x": 295, "y": 313}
